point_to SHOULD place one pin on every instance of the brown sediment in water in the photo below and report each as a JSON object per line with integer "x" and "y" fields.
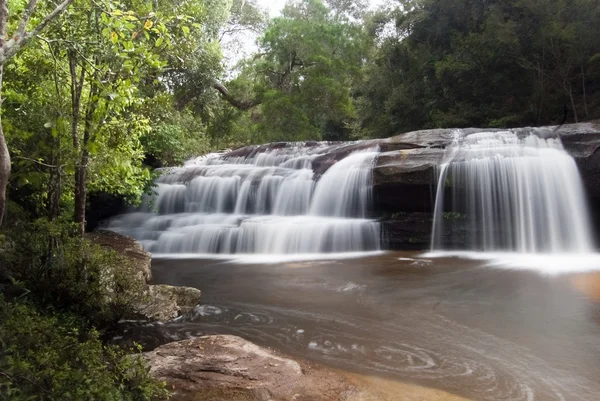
{"x": 375, "y": 388}
{"x": 588, "y": 284}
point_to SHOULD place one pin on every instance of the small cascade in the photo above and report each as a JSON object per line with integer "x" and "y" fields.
{"x": 510, "y": 191}
{"x": 267, "y": 202}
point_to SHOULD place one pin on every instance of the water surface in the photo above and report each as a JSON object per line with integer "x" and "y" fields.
{"x": 453, "y": 324}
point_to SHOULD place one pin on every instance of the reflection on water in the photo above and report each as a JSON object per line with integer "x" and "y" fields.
{"x": 445, "y": 323}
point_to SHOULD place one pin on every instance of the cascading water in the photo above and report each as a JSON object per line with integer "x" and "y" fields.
{"x": 267, "y": 202}
{"x": 511, "y": 191}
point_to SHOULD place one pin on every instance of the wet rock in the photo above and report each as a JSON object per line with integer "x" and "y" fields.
{"x": 403, "y": 179}
{"x": 225, "y": 367}
{"x": 582, "y": 141}
{"x": 128, "y": 247}
{"x": 322, "y": 163}
{"x": 165, "y": 302}
{"x": 408, "y": 231}
{"x": 412, "y": 231}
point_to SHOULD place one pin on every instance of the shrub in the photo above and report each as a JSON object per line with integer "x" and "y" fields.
{"x": 46, "y": 357}
{"x": 58, "y": 268}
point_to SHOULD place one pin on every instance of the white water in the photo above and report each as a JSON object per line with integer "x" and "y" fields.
{"x": 266, "y": 203}
{"x": 511, "y": 191}
{"x": 550, "y": 264}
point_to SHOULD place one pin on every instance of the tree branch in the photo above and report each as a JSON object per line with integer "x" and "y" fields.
{"x": 39, "y": 162}
{"x": 25, "y": 18}
{"x": 18, "y": 42}
{"x": 237, "y": 103}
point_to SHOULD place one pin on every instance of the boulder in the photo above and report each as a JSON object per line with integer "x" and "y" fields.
{"x": 157, "y": 302}
{"x": 226, "y": 367}
{"x": 165, "y": 302}
{"x": 128, "y": 247}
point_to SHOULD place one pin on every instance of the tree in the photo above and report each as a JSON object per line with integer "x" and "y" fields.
{"x": 480, "y": 63}
{"x": 301, "y": 79}
{"x": 8, "y": 49}
{"x": 108, "y": 84}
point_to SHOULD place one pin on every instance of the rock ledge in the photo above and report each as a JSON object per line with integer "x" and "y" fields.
{"x": 157, "y": 302}
{"x": 226, "y": 367}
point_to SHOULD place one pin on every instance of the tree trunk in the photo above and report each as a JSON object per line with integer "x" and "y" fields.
{"x": 81, "y": 191}
{"x": 4, "y": 155}
{"x": 542, "y": 88}
{"x": 585, "y": 106}
{"x": 76, "y": 89}
{"x": 237, "y": 103}
{"x": 81, "y": 171}
{"x": 572, "y": 103}
{"x": 4, "y": 164}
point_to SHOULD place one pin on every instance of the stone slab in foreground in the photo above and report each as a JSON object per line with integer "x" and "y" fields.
{"x": 226, "y": 367}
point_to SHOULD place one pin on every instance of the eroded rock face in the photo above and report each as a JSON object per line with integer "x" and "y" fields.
{"x": 582, "y": 141}
{"x": 225, "y": 367}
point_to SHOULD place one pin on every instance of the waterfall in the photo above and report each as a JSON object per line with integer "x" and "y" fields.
{"x": 512, "y": 190}
{"x": 267, "y": 202}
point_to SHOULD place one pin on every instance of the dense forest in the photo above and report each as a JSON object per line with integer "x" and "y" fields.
{"x": 95, "y": 94}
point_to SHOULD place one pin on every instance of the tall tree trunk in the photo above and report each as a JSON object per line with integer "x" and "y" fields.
{"x": 55, "y": 181}
{"x": 542, "y": 89}
{"x": 81, "y": 171}
{"x": 570, "y": 91}
{"x": 76, "y": 89}
{"x": 4, "y": 155}
{"x": 585, "y": 106}
{"x": 81, "y": 190}
{"x": 4, "y": 164}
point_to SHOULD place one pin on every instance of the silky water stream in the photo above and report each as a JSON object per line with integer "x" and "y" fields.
{"x": 265, "y": 203}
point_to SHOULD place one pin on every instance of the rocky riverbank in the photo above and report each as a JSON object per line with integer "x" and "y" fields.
{"x": 158, "y": 302}
{"x": 229, "y": 368}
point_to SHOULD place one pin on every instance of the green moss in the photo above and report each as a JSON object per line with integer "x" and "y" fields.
{"x": 453, "y": 216}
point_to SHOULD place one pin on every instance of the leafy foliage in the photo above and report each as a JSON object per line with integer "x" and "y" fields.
{"x": 302, "y": 78}
{"x": 57, "y": 268}
{"x": 463, "y": 63}
{"x": 47, "y": 357}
